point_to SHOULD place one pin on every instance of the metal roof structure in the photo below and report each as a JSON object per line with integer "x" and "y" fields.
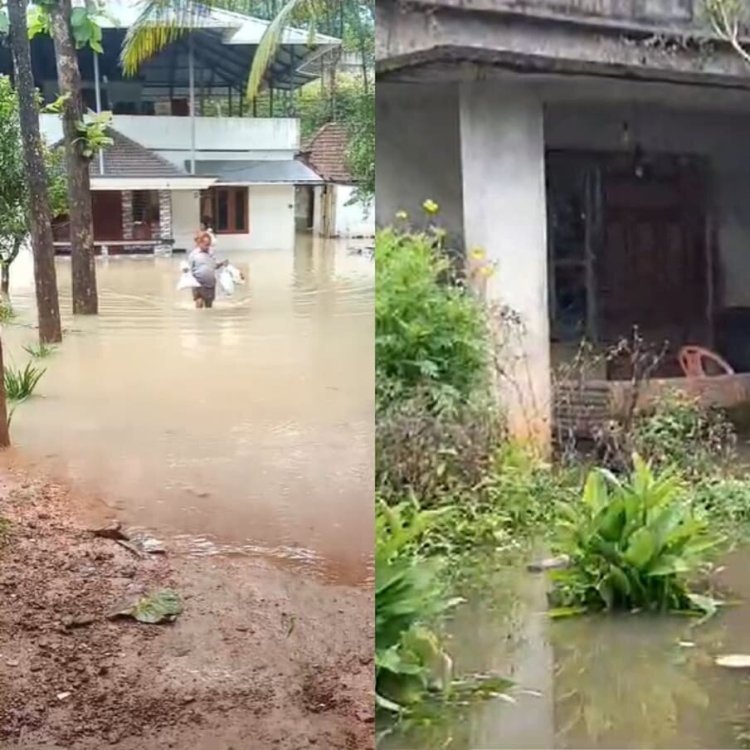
{"x": 223, "y": 43}
{"x": 242, "y": 172}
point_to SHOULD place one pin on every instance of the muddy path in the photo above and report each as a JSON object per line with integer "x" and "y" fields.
{"x": 260, "y": 658}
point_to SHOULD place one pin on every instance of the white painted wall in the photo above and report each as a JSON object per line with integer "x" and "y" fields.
{"x": 355, "y": 219}
{"x": 213, "y": 135}
{"x": 505, "y": 214}
{"x": 271, "y": 212}
{"x": 185, "y": 218}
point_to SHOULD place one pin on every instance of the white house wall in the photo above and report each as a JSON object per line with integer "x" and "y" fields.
{"x": 352, "y": 219}
{"x": 271, "y": 213}
{"x": 185, "y": 218}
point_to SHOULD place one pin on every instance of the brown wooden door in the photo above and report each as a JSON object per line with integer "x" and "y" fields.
{"x": 653, "y": 265}
{"x": 106, "y": 206}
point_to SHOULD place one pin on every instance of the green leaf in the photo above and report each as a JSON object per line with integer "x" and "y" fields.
{"x": 668, "y": 565}
{"x": 152, "y": 609}
{"x": 641, "y": 548}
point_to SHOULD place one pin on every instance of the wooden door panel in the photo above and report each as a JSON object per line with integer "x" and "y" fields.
{"x": 106, "y": 206}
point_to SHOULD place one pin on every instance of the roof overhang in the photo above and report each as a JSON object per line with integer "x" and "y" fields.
{"x": 191, "y": 182}
{"x": 259, "y": 172}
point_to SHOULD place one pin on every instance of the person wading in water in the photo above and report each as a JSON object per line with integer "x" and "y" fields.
{"x": 203, "y": 266}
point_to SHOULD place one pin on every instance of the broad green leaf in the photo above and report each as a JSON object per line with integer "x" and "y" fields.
{"x": 668, "y": 565}
{"x": 640, "y": 549}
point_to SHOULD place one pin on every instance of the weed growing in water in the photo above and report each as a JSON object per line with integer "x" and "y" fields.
{"x": 7, "y": 313}
{"x": 21, "y": 384}
{"x": 40, "y": 351}
{"x": 632, "y": 545}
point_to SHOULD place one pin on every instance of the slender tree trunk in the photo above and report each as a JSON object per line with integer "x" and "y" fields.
{"x": 5, "y": 280}
{"x": 85, "y": 300}
{"x": 45, "y": 277}
{"x": 4, "y": 426}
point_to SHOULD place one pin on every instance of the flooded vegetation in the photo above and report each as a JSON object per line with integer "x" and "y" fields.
{"x": 244, "y": 429}
{"x": 522, "y": 603}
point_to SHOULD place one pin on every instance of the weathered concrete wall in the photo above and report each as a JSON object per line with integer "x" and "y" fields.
{"x": 527, "y": 36}
{"x": 418, "y": 154}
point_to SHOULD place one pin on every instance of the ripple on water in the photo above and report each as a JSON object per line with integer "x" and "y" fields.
{"x": 247, "y": 428}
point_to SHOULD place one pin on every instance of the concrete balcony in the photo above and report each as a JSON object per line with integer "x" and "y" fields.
{"x": 216, "y": 138}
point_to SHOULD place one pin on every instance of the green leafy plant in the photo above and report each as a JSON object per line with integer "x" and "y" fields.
{"x": 21, "y": 384}
{"x": 431, "y": 336}
{"x": 409, "y": 659}
{"x": 94, "y": 134}
{"x": 40, "y": 351}
{"x": 632, "y": 545}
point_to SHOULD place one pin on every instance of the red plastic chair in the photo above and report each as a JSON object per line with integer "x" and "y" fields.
{"x": 691, "y": 360}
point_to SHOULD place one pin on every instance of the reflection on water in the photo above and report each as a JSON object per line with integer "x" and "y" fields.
{"x": 599, "y": 682}
{"x": 247, "y": 427}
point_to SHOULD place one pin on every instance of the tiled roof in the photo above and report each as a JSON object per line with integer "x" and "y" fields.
{"x": 127, "y": 159}
{"x": 325, "y": 152}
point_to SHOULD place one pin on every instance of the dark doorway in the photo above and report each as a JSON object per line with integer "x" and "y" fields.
{"x": 629, "y": 247}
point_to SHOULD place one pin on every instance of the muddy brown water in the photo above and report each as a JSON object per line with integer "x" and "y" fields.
{"x": 596, "y": 682}
{"x": 245, "y": 429}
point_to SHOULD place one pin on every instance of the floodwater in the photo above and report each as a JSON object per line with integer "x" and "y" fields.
{"x": 242, "y": 429}
{"x": 598, "y": 682}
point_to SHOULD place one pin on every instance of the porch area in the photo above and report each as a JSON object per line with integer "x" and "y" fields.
{"x": 607, "y": 207}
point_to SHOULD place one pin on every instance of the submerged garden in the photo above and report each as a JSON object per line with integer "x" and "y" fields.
{"x": 616, "y": 559}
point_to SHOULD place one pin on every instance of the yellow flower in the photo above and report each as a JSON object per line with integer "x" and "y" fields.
{"x": 402, "y": 215}
{"x": 477, "y": 254}
{"x": 487, "y": 271}
{"x": 430, "y": 207}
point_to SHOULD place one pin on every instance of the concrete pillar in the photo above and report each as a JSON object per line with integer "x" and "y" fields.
{"x": 165, "y": 221}
{"x": 504, "y": 210}
{"x": 127, "y": 214}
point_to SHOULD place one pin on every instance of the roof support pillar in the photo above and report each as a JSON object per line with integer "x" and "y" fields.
{"x": 191, "y": 76}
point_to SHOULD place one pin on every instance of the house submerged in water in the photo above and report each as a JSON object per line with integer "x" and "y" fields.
{"x": 593, "y": 150}
{"x": 186, "y": 145}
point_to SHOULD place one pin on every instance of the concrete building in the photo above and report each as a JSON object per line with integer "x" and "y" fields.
{"x": 331, "y": 209}
{"x": 594, "y": 151}
{"x": 173, "y": 160}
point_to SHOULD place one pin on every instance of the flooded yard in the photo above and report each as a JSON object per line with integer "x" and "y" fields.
{"x": 244, "y": 429}
{"x": 597, "y": 682}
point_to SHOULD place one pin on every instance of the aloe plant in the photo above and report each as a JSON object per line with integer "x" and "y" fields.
{"x": 632, "y": 545}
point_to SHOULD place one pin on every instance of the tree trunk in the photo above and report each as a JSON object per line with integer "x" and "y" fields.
{"x": 45, "y": 278}
{"x": 5, "y": 280}
{"x": 85, "y": 300}
{"x": 4, "y": 427}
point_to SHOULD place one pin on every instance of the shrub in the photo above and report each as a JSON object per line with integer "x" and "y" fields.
{"x": 680, "y": 432}
{"x": 21, "y": 384}
{"x": 631, "y": 545}
{"x": 431, "y": 336}
{"x": 434, "y": 454}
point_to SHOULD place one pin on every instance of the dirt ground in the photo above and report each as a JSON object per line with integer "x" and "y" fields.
{"x": 260, "y": 658}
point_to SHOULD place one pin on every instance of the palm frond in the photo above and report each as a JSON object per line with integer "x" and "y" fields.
{"x": 160, "y": 23}
{"x": 268, "y": 46}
